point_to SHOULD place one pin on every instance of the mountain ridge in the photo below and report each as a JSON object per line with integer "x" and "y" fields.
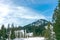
{"x": 39, "y": 24}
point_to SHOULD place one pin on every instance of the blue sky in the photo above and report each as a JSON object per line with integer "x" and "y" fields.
{"x": 23, "y": 12}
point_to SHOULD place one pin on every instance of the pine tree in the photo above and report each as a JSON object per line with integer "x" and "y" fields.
{"x": 8, "y": 31}
{"x": 12, "y": 32}
{"x": 56, "y": 21}
{"x": 47, "y": 33}
{"x": 0, "y": 34}
{"x": 3, "y": 32}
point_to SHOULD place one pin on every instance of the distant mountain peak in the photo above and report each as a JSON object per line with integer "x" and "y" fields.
{"x": 38, "y": 22}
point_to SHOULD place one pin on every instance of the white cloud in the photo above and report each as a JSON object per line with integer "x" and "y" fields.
{"x": 26, "y": 13}
{"x": 3, "y": 10}
{"x": 14, "y": 14}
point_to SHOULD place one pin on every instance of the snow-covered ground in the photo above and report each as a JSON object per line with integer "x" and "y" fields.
{"x": 32, "y": 38}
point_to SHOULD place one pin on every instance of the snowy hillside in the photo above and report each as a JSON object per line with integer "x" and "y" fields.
{"x": 32, "y": 38}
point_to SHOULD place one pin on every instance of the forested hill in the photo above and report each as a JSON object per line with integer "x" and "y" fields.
{"x": 37, "y": 26}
